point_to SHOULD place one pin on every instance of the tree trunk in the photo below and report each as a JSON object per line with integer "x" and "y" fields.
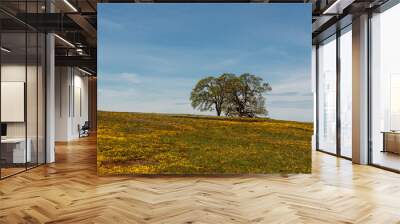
{"x": 218, "y": 109}
{"x": 218, "y": 112}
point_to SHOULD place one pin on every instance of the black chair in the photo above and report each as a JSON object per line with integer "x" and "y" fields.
{"x": 84, "y": 130}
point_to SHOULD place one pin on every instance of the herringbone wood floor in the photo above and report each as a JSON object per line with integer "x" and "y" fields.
{"x": 69, "y": 191}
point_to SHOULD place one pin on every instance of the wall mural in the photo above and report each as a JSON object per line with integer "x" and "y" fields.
{"x": 204, "y": 89}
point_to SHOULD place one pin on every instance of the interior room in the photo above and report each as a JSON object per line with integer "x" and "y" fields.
{"x": 34, "y": 112}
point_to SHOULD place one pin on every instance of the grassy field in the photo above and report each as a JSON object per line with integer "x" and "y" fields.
{"x": 139, "y": 143}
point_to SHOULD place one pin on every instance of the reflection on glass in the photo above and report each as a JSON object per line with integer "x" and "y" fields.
{"x": 31, "y": 101}
{"x": 327, "y": 95}
{"x": 385, "y": 95}
{"x": 346, "y": 93}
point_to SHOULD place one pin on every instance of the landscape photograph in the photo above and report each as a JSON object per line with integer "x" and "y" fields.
{"x": 204, "y": 89}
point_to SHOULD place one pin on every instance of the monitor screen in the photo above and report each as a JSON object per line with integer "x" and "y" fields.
{"x": 3, "y": 129}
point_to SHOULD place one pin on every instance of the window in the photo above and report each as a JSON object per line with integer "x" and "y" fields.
{"x": 346, "y": 92}
{"x": 327, "y": 95}
{"x": 385, "y": 89}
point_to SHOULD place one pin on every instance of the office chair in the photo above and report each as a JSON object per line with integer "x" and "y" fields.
{"x": 84, "y": 130}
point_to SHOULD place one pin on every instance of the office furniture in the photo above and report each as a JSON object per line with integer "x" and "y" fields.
{"x": 84, "y": 130}
{"x": 13, "y": 150}
{"x": 391, "y": 141}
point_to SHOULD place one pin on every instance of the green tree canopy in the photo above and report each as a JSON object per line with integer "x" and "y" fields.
{"x": 245, "y": 97}
{"x": 210, "y": 93}
{"x": 234, "y": 95}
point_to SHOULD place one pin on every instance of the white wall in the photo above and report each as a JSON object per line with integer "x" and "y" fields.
{"x": 62, "y": 82}
{"x": 33, "y": 126}
{"x": 16, "y": 73}
{"x": 71, "y": 94}
{"x": 80, "y": 108}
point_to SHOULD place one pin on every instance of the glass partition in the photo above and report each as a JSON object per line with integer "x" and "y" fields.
{"x": 22, "y": 101}
{"x": 327, "y": 95}
{"x": 385, "y": 89}
{"x": 14, "y": 153}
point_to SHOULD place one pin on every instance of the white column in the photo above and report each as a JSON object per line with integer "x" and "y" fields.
{"x": 360, "y": 90}
{"x": 50, "y": 92}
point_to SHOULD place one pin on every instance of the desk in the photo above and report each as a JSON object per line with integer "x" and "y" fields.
{"x": 391, "y": 141}
{"x": 13, "y": 150}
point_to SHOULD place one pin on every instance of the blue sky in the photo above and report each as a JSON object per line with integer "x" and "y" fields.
{"x": 150, "y": 56}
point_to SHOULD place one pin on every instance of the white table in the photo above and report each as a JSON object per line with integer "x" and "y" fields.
{"x": 19, "y": 153}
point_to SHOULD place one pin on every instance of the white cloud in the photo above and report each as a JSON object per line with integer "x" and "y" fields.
{"x": 300, "y": 85}
{"x": 295, "y": 85}
{"x": 129, "y": 77}
{"x": 113, "y": 93}
{"x": 291, "y": 98}
{"x": 125, "y": 77}
{"x": 110, "y": 24}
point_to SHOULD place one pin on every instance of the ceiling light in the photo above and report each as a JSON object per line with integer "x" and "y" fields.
{"x": 65, "y": 41}
{"x": 79, "y": 51}
{"x": 338, "y": 6}
{"x": 333, "y": 6}
{"x": 5, "y": 50}
{"x": 84, "y": 71}
{"x": 70, "y": 5}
